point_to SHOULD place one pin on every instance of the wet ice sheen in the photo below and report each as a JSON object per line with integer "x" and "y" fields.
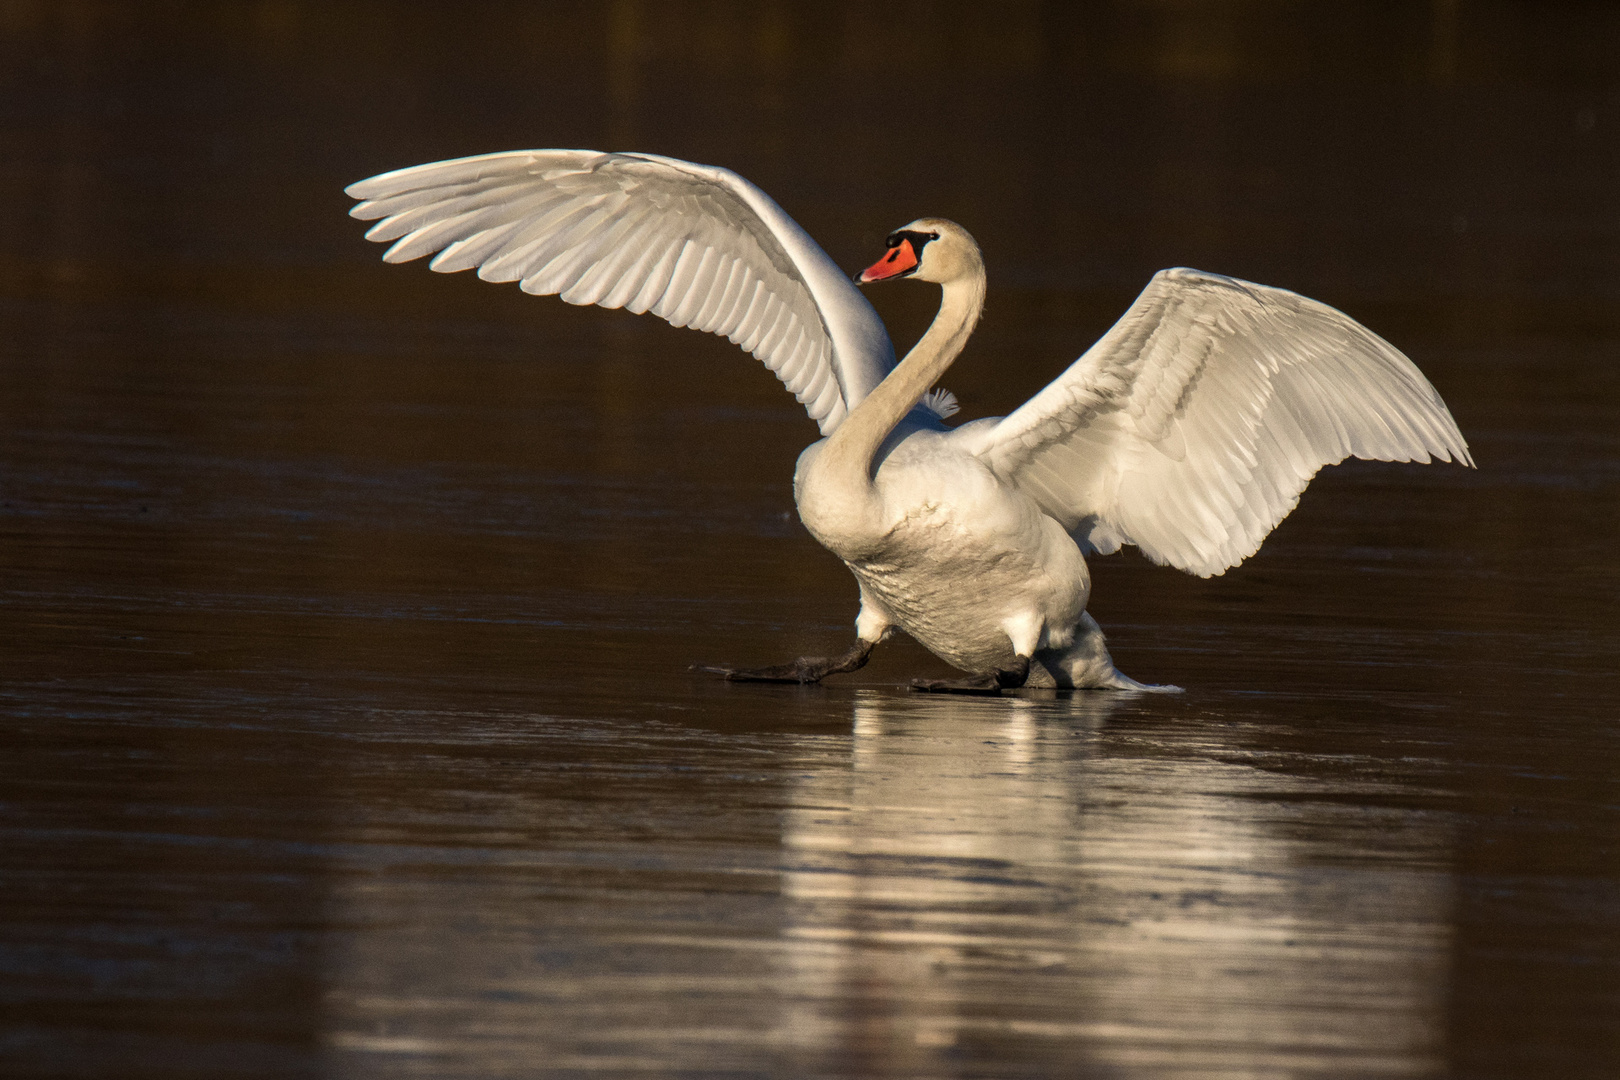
{"x": 1035, "y": 884}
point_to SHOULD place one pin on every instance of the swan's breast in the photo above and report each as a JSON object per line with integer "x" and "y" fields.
{"x": 955, "y": 556}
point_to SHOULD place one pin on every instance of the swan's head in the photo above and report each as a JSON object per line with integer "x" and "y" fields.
{"x": 929, "y": 249}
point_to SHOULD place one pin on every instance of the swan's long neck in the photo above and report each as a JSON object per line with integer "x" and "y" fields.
{"x": 849, "y": 451}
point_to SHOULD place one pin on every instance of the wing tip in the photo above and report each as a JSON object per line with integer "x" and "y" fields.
{"x": 389, "y": 183}
{"x": 400, "y": 252}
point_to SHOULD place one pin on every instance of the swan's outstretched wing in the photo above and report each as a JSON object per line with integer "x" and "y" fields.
{"x": 1192, "y": 426}
{"x": 695, "y": 245}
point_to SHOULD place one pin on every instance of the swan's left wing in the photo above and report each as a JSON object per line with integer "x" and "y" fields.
{"x": 696, "y": 245}
{"x": 1191, "y": 428}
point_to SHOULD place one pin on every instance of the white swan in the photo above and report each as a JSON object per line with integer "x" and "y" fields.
{"x": 1189, "y": 429}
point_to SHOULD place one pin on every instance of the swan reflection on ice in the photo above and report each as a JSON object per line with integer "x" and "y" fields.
{"x": 1000, "y": 872}
{"x": 951, "y": 882}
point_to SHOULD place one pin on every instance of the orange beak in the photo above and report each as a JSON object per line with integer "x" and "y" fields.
{"x": 899, "y": 259}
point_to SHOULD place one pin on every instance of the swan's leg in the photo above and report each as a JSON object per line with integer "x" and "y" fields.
{"x": 872, "y": 625}
{"x": 1023, "y": 632}
{"x": 806, "y": 669}
{"x": 994, "y": 683}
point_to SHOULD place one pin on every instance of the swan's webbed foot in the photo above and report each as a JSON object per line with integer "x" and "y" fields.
{"x": 993, "y": 683}
{"x": 806, "y": 669}
{"x": 983, "y": 684}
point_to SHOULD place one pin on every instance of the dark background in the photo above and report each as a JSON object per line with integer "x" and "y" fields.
{"x": 284, "y": 531}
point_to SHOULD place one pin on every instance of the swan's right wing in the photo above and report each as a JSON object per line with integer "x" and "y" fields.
{"x": 1191, "y": 427}
{"x": 696, "y": 245}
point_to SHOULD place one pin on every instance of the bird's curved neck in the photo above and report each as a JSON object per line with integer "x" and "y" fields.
{"x": 851, "y": 449}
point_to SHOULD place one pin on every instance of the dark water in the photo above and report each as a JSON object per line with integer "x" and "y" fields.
{"x": 345, "y": 609}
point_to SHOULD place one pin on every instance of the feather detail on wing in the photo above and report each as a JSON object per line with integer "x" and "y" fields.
{"x": 1191, "y": 428}
{"x": 941, "y": 402}
{"x": 695, "y": 245}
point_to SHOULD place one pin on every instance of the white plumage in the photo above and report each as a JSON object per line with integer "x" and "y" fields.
{"x": 696, "y": 246}
{"x": 1189, "y": 429}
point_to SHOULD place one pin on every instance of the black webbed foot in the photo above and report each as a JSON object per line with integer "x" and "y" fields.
{"x": 994, "y": 683}
{"x": 984, "y": 684}
{"x": 806, "y": 669}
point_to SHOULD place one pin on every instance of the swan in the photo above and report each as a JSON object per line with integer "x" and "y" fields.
{"x": 1189, "y": 429}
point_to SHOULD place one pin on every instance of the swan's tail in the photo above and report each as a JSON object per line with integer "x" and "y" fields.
{"x": 1086, "y": 665}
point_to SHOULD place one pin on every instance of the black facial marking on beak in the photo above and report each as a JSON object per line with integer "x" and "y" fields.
{"x": 919, "y": 240}
{"x": 905, "y": 248}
